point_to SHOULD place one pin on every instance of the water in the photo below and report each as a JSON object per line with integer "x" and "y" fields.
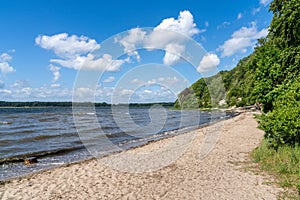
{"x": 51, "y": 134}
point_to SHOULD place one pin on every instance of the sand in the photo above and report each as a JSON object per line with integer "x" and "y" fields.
{"x": 223, "y": 171}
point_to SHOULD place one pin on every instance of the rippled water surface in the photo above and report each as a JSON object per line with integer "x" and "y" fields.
{"x": 51, "y": 134}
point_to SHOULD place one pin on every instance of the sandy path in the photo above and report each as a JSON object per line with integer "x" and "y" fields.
{"x": 220, "y": 175}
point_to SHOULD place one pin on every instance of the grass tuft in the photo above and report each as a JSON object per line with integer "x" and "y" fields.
{"x": 284, "y": 163}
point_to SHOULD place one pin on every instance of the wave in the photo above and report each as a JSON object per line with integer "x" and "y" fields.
{"x": 45, "y": 137}
{"x": 21, "y": 157}
{"x": 117, "y": 138}
{"x": 50, "y": 119}
{"x": 23, "y": 127}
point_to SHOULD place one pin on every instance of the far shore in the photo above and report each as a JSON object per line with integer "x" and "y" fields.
{"x": 225, "y": 172}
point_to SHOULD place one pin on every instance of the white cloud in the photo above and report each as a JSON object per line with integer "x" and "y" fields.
{"x": 126, "y": 92}
{"x": 5, "y": 92}
{"x": 160, "y": 81}
{"x": 67, "y": 46}
{"x": 55, "y": 72}
{"x": 169, "y": 35}
{"x": 55, "y": 85}
{"x": 184, "y": 24}
{"x": 158, "y": 94}
{"x": 88, "y": 62}
{"x": 136, "y": 36}
{"x": 175, "y": 83}
{"x": 20, "y": 84}
{"x": 241, "y": 40}
{"x": 55, "y": 92}
{"x": 264, "y": 2}
{"x": 77, "y": 53}
{"x": 173, "y": 53}
{"x": 109, "y": 79}
{"x": 5, "y": 67}
{"x": 137, "y": 81}
{"x": 206, "y": 24}
{"x": 5, "y": 57}
{"x": 240, "y": 15}
{"x": 208, "y": 63}
{"x": 173, "y": 44}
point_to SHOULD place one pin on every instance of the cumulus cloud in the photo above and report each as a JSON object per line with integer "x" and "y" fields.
{"x": 208, "y": 63}
{"x": 55, "y": 71}
{"x": 67, "y": 46}
{"x": 173, "y": 52}
{"x": 169, "y": 35}
{"x": 174, "y": 48}
{"x": 109, "y": 79}
{"x": 241, "y": 40}
{"x": 184, "y": 24}
{"x": 5, "y": 67}
{"x": 88, "y": 62}
{"x": 135, "y": 37}
{"x": 76, "y": 53}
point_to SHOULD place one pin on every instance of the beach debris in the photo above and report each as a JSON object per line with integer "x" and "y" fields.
{"x": 30, "y": 160}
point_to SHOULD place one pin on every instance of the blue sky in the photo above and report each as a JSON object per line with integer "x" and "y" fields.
{"x": 45, "y": 45}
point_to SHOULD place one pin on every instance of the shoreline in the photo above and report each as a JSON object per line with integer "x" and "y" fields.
{"x": 43, "y": 155}
{"x": 100, "y": 169}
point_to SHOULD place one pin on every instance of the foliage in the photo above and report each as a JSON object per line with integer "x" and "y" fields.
{"x": 285, "y": 25}
{"x": 282, "y": 124}
{"x": 186, "y": 100}
{"x": 277, "y": 75}
{"x": 234, "y": 86}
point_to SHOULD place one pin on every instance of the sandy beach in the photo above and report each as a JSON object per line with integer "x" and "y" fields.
{"x": 225, "y": 172}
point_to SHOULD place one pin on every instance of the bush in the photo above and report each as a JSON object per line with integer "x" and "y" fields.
{"x": 282, "y": 124}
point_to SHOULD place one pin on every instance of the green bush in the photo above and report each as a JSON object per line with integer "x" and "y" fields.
{"x": 282, "y": 124}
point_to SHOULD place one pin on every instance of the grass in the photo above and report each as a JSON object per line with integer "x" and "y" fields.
{"x": 284, "y": 163}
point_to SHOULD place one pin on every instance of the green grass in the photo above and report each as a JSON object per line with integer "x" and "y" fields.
{"x": 284, "y": 163}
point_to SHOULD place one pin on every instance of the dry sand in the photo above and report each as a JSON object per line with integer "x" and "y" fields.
{"x": 223, "y": 174}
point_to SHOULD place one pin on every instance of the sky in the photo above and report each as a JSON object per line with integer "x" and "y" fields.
{"x": 121, "y": 51}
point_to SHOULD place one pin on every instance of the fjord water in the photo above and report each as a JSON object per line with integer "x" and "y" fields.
{"x": 50, "y": 134}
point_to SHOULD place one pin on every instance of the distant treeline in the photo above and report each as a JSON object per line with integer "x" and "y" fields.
{"x": 69, "y": 104}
